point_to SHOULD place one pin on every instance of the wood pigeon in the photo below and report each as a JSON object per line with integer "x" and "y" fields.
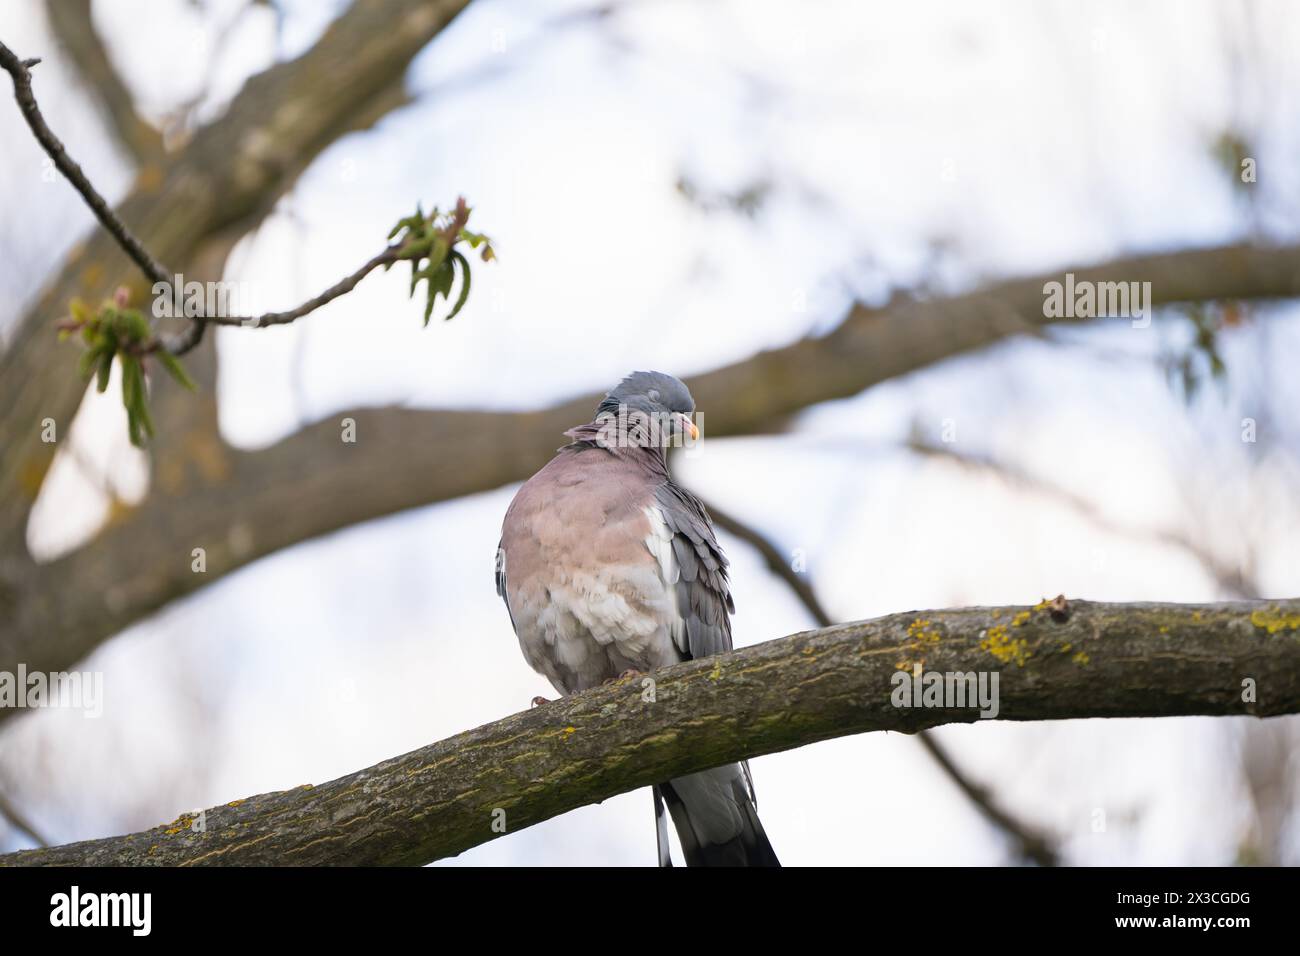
{"x": 608, "y": 567}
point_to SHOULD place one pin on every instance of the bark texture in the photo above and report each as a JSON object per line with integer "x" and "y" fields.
{"x": 1092, "y": 660}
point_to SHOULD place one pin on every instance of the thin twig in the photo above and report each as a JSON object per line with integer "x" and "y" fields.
{"x": 1232, "y": 579}
{"x": 345, "y": 285}
{"x": 20, "y": 822}
{"x": 1032, "y": 844}
{"x": 20, "y": 71}
{"x": 775, "y": 561}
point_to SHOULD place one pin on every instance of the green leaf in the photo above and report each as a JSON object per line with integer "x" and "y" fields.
{"x": 135, "y": 398}
{"x": 105, "y": 369}
{"x": 145, "y": 418}
{"x": 129, "y": 382}
{"x": 456, "y": 257}
{"x": 173, "y": 365}
{"x": 430, "y": 243}
{"x": 86, "y": 364}
{"x": 132, "y": 325}
{"x": 438, "y": 252}
{"x": 440, "y": 285}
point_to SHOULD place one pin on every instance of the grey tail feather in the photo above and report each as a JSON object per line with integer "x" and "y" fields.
{"x": 661, "y": 828}
{"x": 749, "y": 848}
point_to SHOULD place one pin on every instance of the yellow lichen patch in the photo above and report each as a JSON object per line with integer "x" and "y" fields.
{"x": 1273, "y": 620}
{"x": 570, "y": 730}
{"x": 716, "y": 673}
{"x": 1196, "y": 616}
{"x": 1020, "y": 619}
{"x": 1081, "y": 659}
{"x": 1065, "y": 647}
{"x": 234, "y": 803}
{"x": 183, "y": 822}
{"x": 1042, "y": 605}
{"x": 921, "y": 632}
{"x": 1004, "y": 648}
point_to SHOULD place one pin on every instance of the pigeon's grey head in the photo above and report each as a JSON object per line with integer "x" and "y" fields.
{"x": 657, "y": 396}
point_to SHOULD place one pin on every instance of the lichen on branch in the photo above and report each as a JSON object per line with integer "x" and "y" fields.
{"x": 1139, "y": 660}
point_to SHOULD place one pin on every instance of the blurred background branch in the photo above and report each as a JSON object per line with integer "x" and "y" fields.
{"x": 82, "y": 49}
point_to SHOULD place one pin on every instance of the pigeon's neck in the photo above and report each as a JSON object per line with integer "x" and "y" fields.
{"x": 598, "y": 435}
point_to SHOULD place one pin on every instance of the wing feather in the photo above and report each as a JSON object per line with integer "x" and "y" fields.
{"x": 703, "y": 592}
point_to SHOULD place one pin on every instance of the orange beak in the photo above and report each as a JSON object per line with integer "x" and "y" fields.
{"x": 689, "y": 428}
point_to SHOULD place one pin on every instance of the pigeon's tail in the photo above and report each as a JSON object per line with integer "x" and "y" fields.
{"x": 716, "y": 819}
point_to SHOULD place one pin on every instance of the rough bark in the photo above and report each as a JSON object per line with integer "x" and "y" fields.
{"x": 241, "y": 506}
{"x": 1094, "y": 660}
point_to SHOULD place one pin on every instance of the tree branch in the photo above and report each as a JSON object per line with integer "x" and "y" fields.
{"x": 20, "y": 71}
{"x": 74, "y": 28}
{"x": 151, "y": 267}
{"x": 1092, "y": 660}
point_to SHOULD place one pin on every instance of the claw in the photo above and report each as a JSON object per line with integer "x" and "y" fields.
{"x": 538, "y": 701}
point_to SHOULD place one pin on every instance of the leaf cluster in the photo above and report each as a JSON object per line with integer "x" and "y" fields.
{"x": 116, "y": 331}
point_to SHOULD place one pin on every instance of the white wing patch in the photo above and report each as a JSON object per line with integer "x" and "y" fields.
{"x": 660, "y": 543}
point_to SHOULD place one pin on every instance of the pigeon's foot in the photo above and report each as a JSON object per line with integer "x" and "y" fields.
{"x": 538, "y": 701}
